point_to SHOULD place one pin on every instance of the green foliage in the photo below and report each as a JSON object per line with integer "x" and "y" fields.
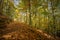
{"x": 45, "y": 13}
{"x": 42, "y": 14}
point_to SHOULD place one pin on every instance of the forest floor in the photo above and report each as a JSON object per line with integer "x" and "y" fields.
{"x": 21, "y": 31}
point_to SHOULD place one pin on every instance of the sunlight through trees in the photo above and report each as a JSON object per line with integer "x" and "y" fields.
{"x": 41, "y": 14}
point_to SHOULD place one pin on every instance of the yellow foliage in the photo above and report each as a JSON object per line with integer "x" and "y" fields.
{"x": 40, "y": 9}
{"x": 17, "y": 10}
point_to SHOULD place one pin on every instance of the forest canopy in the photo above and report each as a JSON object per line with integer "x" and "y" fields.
{"x": 40, "y": 14}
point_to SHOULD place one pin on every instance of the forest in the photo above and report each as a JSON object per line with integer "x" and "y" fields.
{"x": 29, "y": 19}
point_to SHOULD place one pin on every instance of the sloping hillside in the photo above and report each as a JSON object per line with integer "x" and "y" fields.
{"x": 20, "y": 31}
